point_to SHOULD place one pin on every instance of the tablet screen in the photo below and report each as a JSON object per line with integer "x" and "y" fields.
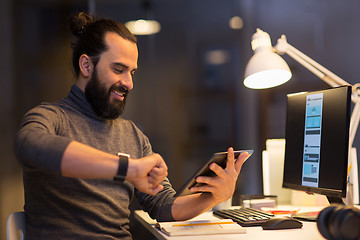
{"x": 218, "y": 158}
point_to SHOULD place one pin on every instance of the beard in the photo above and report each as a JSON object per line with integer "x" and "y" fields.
{"x": 99, "y": 98}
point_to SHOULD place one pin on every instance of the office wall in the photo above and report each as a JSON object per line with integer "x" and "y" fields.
{"x": 11, "y": 196}
{"x": 187, "y": 107}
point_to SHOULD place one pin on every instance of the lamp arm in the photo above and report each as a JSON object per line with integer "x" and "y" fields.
{"x": 324, "y": 74}
{"x": 311, "y": 68}
{"x": 327, "y": 76}
{"x": 355, "y": 115}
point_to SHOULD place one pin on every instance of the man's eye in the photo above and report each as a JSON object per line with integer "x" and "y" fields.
{"x": 118, "y": 70}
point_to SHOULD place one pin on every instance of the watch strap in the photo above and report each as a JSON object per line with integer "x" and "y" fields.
{"x": 122, "y": 168}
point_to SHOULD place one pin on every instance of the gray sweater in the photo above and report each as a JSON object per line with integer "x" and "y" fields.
{"x": 59, "y": 207}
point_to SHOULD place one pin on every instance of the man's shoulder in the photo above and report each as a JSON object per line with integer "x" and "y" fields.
{"x": 49, "y": 107}
{"x": 47, "y": 110}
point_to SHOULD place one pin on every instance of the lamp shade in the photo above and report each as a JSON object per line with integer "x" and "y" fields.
{"x": 265, "y": 68}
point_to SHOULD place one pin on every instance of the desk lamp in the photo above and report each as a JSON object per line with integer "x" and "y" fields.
{"x": 267, "y": 69}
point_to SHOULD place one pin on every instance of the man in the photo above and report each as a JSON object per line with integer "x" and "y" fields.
{"x": 68, "y": 150}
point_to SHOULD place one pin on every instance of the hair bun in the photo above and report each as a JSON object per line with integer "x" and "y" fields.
{"x": 78, "y": 23}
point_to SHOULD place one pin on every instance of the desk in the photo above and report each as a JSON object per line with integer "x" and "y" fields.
{"x": 309, "y": 231}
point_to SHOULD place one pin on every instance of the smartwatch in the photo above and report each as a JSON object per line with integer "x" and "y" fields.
{"x": 123, "y": 167}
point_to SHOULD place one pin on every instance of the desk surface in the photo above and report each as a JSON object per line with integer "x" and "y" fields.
{"x": 309, "y": 230}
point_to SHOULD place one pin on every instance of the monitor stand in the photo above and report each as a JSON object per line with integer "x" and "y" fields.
{"x": 312, "y": 216}
{"x": 335, "y": 200}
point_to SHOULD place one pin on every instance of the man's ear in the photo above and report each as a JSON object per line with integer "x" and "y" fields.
{"x": 86, "y": 65}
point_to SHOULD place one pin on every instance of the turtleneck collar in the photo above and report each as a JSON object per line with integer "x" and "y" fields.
{"x": 78, "y": 100}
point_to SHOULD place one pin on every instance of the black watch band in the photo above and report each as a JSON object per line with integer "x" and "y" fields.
{"x": 122, "y": 168}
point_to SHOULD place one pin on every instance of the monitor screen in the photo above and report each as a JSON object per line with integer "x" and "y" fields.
{"x": 317, "y": 141}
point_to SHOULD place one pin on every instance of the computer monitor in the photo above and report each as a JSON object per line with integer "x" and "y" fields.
{"x": 317, "y": 142}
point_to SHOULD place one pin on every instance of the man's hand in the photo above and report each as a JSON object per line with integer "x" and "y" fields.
{"x": 147, "y": 173}
{"x": 222, "y": 186}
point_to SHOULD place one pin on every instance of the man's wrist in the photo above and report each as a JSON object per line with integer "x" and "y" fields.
{"x": 122, "y": 167}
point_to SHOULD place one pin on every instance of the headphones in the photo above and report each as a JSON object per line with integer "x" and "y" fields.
{"x": 339, "y": 222}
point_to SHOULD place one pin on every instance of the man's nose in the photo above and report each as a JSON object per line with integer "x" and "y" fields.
{"x": 127, "y": 81}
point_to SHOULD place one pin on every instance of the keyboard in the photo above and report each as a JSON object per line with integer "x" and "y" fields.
{"x": 246, "y": 217}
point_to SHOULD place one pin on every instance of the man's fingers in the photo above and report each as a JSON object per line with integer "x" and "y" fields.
{"x": 230, "y": 158}
{"x": 203, "y": 188}
{"x": 154, "y": 191}
{"x": 158, "y": 172}
{"x": 160, "y": 163}
{"x": 156, "y": 177}
{"x": 216, "y": 169}
{"x": 149, "y": 171}
{"x": 240, "y": 160}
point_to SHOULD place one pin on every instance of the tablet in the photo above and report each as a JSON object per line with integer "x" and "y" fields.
{"x": 218, "y": 158}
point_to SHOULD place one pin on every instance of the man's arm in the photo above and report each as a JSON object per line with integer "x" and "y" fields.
{"x": 216, "y": 190}
{"x": 40, "y": 145}
{"x": 82, "y": 161}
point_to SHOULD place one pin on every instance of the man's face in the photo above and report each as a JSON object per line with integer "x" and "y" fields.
{"x": 98, "y": 95}
{"x": 111, "y": 80}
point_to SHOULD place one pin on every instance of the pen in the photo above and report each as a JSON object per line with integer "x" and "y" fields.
{"x": 283, "y": 211}
{"x": 349, "y": 168}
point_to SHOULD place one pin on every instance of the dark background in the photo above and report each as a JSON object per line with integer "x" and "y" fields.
{"x": 188, "y": 107}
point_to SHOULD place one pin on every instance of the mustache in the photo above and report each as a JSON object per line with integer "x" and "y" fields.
{"x": 119, "y": 89}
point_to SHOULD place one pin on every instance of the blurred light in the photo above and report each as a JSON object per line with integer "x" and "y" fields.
{"x": 217, "y": 57}
{"x": 236, "y": 22}
{"x": 143, "y": 27}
